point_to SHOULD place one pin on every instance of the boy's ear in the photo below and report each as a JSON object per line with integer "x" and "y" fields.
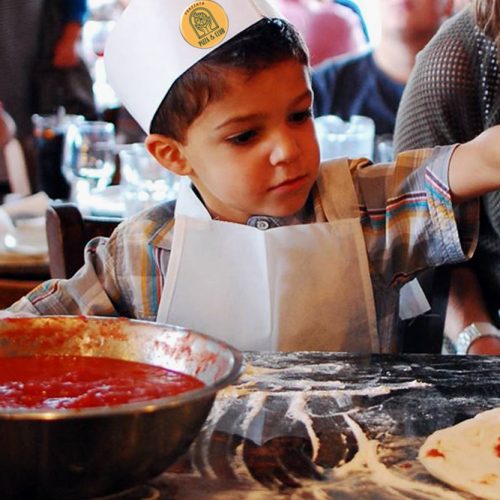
{"x": 168, "y": 152}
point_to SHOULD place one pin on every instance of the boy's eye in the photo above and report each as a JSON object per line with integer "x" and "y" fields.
{"x": 301, "y": 116}
{"x": 242, "y": 138}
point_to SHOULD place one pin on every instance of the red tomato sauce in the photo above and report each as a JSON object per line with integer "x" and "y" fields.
{"x": 52, "y": 382}
{"x": 435, "y": 453}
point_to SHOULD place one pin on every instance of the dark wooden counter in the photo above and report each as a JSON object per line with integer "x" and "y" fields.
{"x": 293, "y": 421}
{"x": 16, "y": 280}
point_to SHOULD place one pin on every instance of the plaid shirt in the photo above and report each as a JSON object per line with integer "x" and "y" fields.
{"x": 408, "y": 221}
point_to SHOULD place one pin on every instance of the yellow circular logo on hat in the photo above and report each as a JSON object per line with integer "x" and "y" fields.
{"x": 204, "y": 24}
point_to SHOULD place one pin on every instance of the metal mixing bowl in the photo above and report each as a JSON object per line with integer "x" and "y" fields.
{"x": 98, "y": 451}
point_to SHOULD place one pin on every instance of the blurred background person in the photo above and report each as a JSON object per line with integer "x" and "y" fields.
{"x": 13, "y": 174}
{"x": 102, "y": 17}
{"x": 7, "y": 133}
{"x": 371, "y": 84}
{"x": 329, "y": 28}
{"x": 7, "y": 127}
{"x": 28, "y": 30}
{"x": 452, "y": 96}
{"x": 458, "y": 5}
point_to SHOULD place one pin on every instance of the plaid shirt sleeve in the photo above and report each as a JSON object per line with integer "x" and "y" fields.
{"x": 122, "y": 276}
{"x": 407, "y": 215}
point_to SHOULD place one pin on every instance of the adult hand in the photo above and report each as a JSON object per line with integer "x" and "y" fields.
{"x": 485, "y": 345}
{"x": 465, "y": 307}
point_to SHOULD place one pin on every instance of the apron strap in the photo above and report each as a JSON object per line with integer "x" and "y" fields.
{"x": 344, "y": 205}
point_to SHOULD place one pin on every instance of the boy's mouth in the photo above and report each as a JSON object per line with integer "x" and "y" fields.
{"x": 290, "y": 184}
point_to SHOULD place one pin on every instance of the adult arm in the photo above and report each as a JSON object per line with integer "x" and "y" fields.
{"x": 474, "y": 171}
{"x": 446, "y": 101}
{"x": 465, "y": 307}
{"x": 475, "y": 166}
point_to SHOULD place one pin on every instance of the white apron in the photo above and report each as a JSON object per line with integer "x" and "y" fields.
{"x": 299, "y": 287}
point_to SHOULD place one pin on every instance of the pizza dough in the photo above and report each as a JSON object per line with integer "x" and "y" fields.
{"x": 467, "y": 455}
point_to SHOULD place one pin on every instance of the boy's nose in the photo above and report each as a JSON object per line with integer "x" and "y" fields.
{"x": 285, "y": 149}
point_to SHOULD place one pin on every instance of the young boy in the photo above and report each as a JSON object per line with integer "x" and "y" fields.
{"x": 264, "y": 248}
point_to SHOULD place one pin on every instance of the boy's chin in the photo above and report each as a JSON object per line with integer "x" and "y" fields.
{"x": 287, "y": 211}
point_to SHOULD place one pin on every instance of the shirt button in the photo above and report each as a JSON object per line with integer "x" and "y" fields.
{"x": 262, "y": 224}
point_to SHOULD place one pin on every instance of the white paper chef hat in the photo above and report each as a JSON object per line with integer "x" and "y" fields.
{"x": 156, "y": 41}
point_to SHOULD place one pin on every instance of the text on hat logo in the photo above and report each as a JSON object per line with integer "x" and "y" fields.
{"x": 204, "y": 24}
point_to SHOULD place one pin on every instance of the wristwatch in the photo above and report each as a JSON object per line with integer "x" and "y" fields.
{"x": 473, "y": 332}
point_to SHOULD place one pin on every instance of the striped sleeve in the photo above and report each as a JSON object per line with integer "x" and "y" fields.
{"x": 122, "y": 276}
{"x": 408, "y": 218}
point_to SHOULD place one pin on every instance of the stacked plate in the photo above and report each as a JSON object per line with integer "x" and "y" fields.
{"x": 23, "y": 241}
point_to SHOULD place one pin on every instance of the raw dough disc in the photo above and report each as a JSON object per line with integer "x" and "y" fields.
{"x": 467, "y": 455}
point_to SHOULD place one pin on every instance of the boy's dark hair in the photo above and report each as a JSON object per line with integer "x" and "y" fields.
{"x": 263, "y": 44}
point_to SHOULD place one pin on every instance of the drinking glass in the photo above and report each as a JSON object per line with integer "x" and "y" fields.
{"x": 384, "y": 148}
{"x": 89, "y": 157}
{"x": 49, "y": 132}
{"x": 337, "y": 138}
{"x": 144, "y": 180}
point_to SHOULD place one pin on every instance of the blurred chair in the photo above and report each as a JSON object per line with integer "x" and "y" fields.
{"x": 68, "y": 231}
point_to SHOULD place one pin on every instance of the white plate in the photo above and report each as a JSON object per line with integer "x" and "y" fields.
{"x": 467, "y": 455}
{"x": 28, "y": 238}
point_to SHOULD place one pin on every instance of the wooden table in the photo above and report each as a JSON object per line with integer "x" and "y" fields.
{"x": 287, "y": 428}
{"x": 17, "y": 280}
{"x": 12, "y": 290}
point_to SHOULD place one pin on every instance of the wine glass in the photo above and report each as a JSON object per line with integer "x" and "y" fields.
{"x": 89, "y": 157}
{"x": 49, "y": 132}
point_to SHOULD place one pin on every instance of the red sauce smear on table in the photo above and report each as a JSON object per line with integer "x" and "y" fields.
{"x": 53, "y": 382}
{"x": 435, "y": 453}
{"x": 497, "y": 447}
